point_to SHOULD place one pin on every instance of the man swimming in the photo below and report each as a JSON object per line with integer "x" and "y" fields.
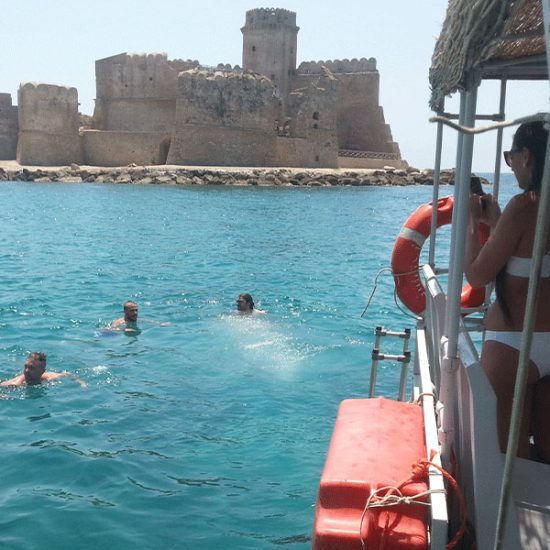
{"x": 34, "y": 372}
{"x": 129, "y": 321}
{"x": 245, "y": 304}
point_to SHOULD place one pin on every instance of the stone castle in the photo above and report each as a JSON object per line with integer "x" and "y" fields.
{"x": 152, "y": 110}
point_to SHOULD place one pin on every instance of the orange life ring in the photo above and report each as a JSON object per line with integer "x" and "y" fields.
{"x": 406, "y": 252}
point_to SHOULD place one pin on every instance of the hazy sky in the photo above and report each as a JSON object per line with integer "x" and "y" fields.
{"x": 58, "y": 41}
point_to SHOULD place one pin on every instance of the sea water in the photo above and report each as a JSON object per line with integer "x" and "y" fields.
{"x": 211, "y": 429}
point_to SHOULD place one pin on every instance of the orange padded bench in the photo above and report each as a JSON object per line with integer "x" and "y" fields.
{"x": 375, "y": 443}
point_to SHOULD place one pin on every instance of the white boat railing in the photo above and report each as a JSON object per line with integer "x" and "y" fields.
{"x": 477, "y": 462}
{"x": 438, "y": 501}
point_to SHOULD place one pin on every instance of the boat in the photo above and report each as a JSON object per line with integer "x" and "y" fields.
{"x": 425, "y": 470}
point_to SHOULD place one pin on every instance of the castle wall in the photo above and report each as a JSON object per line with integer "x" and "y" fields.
{"x": 137, "y": 92}
{"x": 301, "y": 152}
{"x": 135, "y": 115}
{"x": 111, "y": 148}
{"x": 361, "y": 124}
{"x": 48, "y": 125}
{"x": 204, "y": 146}
{"x": 313, "y": 124}
{"x": 270, "y": 38}
{"x": 347, "y": 159}
{"x": 224, "y": 118}
{"x": 9, "y": 128}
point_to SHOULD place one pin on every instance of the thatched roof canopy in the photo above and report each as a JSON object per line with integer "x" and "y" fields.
{"x": 487, "y": 39}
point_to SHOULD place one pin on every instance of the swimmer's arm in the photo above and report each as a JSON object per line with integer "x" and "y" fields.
{"x": 153, "y": 322}
{"x": 116, "y": 324}
{"x": 16, "y": 381}
{"x": 64, "y": 374}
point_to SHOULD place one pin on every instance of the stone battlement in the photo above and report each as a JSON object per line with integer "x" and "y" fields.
{"x": 338, "y": 66}
{"x": 225, "y": 72}
{"x": 5, "y": 101}
{"x": 270, "y": 16}
{"x": 60, "y": 93}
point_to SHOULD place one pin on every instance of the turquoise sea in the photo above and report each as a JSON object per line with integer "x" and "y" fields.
{"x": 210, "y": 432}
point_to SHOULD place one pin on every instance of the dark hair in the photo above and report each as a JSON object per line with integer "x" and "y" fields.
{"x": 248, "y": 299}
{"x": 533, "y": 136}
{"x": 38, "y": 355}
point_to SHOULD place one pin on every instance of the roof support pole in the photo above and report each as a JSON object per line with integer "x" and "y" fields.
{"x": 449, "y": 343}
{"x": 460, "y": 218}
{"x": 500, "y": 131}
{"x": 539, "y": 248}
{"x": 435, "y": 191}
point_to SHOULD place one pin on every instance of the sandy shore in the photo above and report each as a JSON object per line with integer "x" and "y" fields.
{"x": 11, "y": 170}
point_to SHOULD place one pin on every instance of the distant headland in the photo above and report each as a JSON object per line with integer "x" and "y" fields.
{"x": 150, "y": 110}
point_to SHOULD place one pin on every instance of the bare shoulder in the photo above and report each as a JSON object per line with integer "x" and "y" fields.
{"x": 16, "y": 381}
{"x": 49, "y": 375}
{"x": 519, "y": 215}
{"x": 524, "y": 203}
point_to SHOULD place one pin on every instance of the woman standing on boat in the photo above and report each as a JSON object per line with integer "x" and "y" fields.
{"x": 506, "y": 258}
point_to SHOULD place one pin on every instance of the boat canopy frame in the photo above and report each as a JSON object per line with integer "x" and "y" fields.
{"x": 502, "y": 41}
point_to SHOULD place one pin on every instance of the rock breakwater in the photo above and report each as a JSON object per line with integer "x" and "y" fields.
{"x": 177, "y": 175}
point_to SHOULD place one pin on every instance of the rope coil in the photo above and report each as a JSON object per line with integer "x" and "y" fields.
{"x": 386, "y": 497}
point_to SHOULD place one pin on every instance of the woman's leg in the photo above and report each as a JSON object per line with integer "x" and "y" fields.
{"x": 541, "y": 418}
{"x": 500, "y": 363}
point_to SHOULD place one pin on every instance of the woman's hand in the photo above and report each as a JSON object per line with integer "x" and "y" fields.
{"x": 490, "y": 210}
{"x": 476, "y": 208}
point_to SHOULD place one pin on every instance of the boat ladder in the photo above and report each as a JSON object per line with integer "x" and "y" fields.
{"x": 404, "y": 359}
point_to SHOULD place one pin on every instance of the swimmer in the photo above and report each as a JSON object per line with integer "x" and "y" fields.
{"x": 245, "y": 305}
{"x": 128, "y": 323}
{"x": 34, "y": 372}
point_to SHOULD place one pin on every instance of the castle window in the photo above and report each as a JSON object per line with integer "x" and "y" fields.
{"x": 151, "y": 78}
{"x": 316, "y": 126}
{"x": 316, "y": 115}
{"x": 316, "y": 158}
{"x": 253, "y": 48}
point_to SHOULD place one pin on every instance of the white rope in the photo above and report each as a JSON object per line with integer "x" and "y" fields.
{"x": 504, "y": 124}
{"x": 398, "y": 305}
{"x": 393, "y": 497}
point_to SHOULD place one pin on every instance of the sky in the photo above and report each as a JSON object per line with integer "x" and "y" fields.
{"x": 58, "y": 42}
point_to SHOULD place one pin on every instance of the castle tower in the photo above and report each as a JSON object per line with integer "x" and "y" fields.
{"x": 270, "y": 37}
{"x": 48, "y": 125}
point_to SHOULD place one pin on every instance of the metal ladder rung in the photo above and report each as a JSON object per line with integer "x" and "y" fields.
{"x": 404, "y": 359}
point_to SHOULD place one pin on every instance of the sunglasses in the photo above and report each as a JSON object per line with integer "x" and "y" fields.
{"x": 508, "y": 155}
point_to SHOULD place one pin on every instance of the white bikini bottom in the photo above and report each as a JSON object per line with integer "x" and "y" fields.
{"x": 540, "y": 346}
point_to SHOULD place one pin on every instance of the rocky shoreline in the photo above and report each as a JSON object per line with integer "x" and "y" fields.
{"x": 178, "y": 175}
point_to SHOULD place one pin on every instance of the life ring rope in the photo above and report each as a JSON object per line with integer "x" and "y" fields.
{"x": 397, "y": 304}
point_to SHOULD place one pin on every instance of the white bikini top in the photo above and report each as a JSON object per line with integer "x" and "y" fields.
{"x": 521, "y": 267}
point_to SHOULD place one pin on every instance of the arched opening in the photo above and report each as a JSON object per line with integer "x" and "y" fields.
{"x": 164, "y": 148}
